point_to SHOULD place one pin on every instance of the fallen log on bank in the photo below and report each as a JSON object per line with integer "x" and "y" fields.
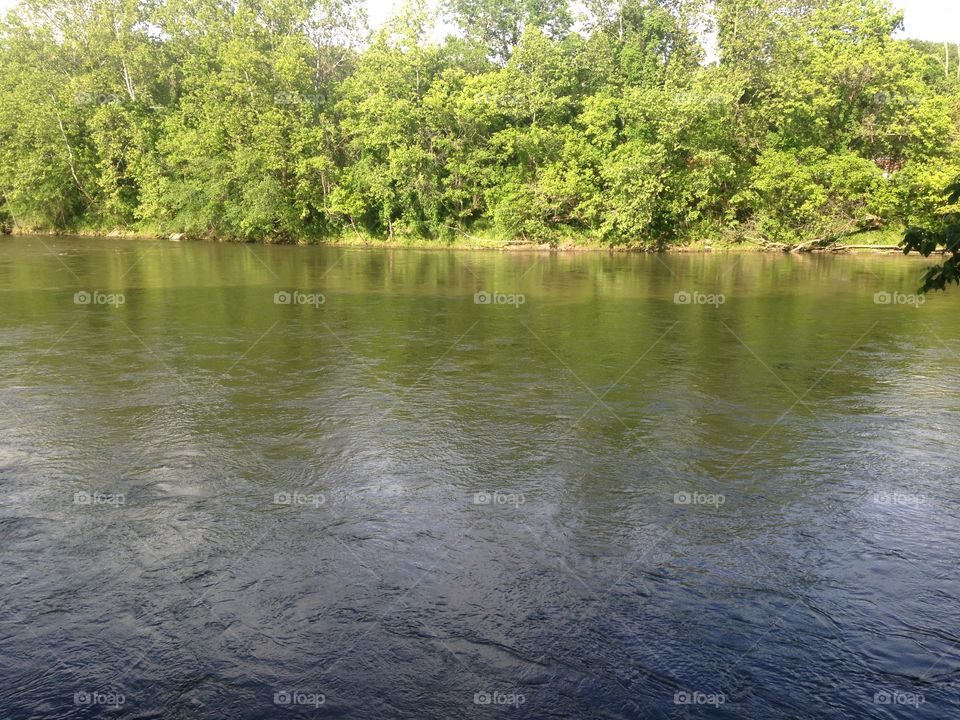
{"x": 811, "y": 245}
{"x": 840, "y": 248}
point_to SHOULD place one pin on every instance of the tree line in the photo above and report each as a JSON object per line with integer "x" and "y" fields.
{"x": 641, "y": 122}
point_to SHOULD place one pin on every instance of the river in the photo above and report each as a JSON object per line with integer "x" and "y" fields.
{"x": 263, "y": 481}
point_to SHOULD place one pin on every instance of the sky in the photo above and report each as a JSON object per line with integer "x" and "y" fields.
{"x": 931, "y": 19}
{"x": 924, "y": 19}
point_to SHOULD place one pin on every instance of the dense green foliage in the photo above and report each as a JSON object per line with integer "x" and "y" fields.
{"x": 285, "y": 120}
{"x": 943, "y": 235}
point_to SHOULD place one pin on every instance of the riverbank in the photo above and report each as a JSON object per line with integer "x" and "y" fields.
{"x": 876, "y": 241}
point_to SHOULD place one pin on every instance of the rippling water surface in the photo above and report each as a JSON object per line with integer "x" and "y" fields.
{"x": 384, "y": 499}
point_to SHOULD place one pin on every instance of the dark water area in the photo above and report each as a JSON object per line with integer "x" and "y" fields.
{"x": 269, "y": 482}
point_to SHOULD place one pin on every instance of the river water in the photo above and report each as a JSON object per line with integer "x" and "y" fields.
{"x": 267, "y": 482}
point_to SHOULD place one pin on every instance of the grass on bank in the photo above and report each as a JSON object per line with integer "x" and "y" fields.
{"x": 484, "y": 239}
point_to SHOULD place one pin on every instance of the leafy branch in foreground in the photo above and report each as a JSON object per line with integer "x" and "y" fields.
{"x": 946, "y": 234}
